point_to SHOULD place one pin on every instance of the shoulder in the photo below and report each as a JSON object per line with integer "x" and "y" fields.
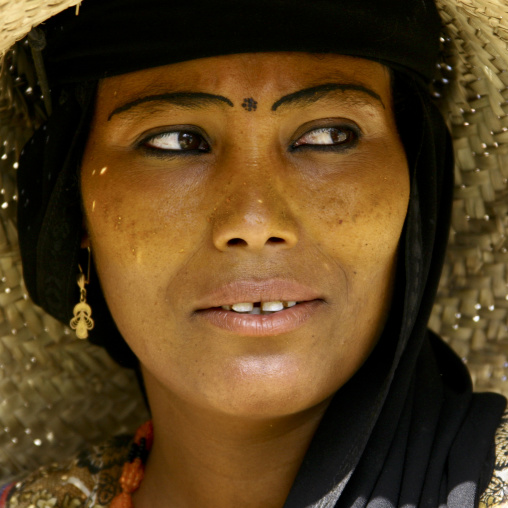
{"x": 89, "y": 480}
{"x": 496, "y": 495}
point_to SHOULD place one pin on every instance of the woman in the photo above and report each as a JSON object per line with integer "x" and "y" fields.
{"x": 267, "y": 218}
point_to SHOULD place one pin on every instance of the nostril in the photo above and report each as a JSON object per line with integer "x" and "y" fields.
{"x": 236, "y": 241}
{"x": 243, "y": 243}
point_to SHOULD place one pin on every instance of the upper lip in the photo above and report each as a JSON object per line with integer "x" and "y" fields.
{"x": 249, "y": 290}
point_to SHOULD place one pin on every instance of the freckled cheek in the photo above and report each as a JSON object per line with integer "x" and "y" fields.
{"x": 361, "y": 221}
{"x": 143, "y": 226}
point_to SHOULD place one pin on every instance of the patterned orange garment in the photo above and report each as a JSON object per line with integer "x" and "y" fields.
{"x": 90, "y": 480}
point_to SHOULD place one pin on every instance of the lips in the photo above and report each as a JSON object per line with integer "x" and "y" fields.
{"x": 268, "y": 290}
{"x": 260, "y": 308}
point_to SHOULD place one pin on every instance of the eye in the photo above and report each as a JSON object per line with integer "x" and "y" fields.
{"x": 328, "y": 138}
{"x": 177, "y": 141}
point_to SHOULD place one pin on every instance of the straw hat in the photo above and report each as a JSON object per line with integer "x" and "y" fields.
{"x": 57, "y": 392}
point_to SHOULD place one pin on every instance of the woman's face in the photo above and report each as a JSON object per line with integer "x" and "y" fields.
{"x": 247, "y": 179}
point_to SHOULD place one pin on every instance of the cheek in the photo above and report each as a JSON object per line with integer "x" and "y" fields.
{"x": 134, "y": 218}
{"x": 357, "y": 216}
{"x": 142, "y": 237}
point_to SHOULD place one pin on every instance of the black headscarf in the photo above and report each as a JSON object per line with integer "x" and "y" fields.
{"x": 406, "y": 430}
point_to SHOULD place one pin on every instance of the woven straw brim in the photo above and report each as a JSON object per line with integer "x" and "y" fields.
{"x": 472, "y": 306}
{"x": 57, "y": 393}
{"x": 17, "y": 17}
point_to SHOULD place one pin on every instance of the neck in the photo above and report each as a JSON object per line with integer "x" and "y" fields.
{"x": 202, "y": 458}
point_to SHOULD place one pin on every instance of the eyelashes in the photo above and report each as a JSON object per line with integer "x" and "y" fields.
{"x": 177, "y": 142}
{"x": 334, "y": 138}
{"x": 181, "y": 141}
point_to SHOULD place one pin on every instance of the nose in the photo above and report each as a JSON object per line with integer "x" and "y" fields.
{"x": 254, "y": 219}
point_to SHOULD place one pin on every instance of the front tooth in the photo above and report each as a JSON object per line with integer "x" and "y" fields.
{"x": 272, "y": 306}
{"x": 242, "y": 307}
{"x": 290, "y": 304}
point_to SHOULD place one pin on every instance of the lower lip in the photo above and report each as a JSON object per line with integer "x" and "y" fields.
{"x": 262, "y": 325}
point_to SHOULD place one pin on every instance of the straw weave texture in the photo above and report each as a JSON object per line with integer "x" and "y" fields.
{"x": 57, "y": 393}
{"x": 472, "y": 305}
{"x": 17, "y": 17}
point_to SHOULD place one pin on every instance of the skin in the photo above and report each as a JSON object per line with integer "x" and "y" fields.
{"x": 233, "y": 415}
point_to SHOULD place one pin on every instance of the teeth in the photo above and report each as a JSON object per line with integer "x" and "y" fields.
{"x": 272, "y": 306}
{"x": 257, "y": 308}
{"x": 242, "y": 307}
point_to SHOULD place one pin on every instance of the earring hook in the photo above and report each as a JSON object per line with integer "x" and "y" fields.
{"x": 87, "y": 278}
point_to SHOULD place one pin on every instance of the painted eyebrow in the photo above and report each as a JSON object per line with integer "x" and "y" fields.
{"x": 313, "y": 94}
{"x": 191, "y": 100}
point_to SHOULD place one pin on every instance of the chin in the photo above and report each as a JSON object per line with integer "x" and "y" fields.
{"x": 258, "y": 388}
{"x": 248, "y": 388}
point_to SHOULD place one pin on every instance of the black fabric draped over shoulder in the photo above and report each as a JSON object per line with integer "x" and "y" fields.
{"x": 406, "y": 430}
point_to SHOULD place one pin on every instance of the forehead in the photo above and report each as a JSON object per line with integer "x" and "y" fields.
{"x": 270, "y": 74}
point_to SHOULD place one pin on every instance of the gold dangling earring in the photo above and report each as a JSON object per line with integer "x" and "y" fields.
{"x": 82, "y": 322}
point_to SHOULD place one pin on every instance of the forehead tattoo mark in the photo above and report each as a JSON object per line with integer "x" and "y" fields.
{"x": 250, "y": 104}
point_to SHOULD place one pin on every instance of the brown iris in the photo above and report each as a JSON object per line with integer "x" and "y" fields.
{"x": 190, "y": 141}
